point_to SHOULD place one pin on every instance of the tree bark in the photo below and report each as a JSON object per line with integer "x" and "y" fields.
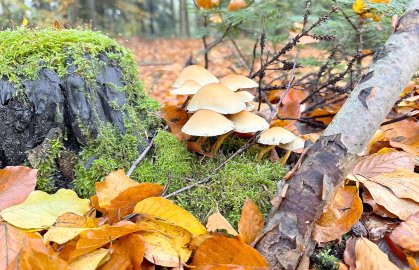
{"x": 287, "y": 236}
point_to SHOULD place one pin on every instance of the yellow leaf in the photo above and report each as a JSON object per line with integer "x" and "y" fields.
{"x": 40, "y": 210}
{"x": 217, "y": 222}
{"x": 91, "y": 260}
{"x": 112, "y": 186}
{"x": 369, "y": 256}
{"x": 159, "y": 249}
{"x": 62, "y": 235}
{"x": 207, "y": 4}
{"x": 251, "y": 222}
{"x": 359, "y": 6}
{"x": 164, "y": 209}
{"x": 403, "y": 183}
{"x": 25, "y": 22}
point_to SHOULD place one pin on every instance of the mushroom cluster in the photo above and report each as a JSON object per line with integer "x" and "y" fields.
{"x": 218, "y": 108}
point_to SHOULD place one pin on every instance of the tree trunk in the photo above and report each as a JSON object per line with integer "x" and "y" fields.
{"x": 287, "y": 236}
{"x": 74, "y": 13}
{"x": 151, "y": 12}
{"x": 92, "y": 12}
{"x": 173, "y": 16}
{"x": 183, "y": 19}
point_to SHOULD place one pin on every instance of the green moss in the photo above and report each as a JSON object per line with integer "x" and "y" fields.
{"x": 326, "y": 261}
{"x": 241, "y": 178}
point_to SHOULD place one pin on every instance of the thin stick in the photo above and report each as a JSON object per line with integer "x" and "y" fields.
{"x": 407, "y": 115}
{"x": 141, "y": 157}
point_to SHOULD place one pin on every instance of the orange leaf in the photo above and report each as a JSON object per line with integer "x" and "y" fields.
{"x": 403, "y": 134}
{"x": 223, "y": 250}
{"x": 217, "y": 222}
{"x": 322, "y": 115}
{"x": 340, "y": 216}
{"x": 175, "y": 118}
{"x": 251, "y": 222}
{"x": 95, "y": 238}
{"x": 15, "y": 185}
{"x": 125, "y": 202}
{"x": 11, "y": 242}
{"x": 207, "y": 4}
{"x": 126, "y": 253}
{"x": 406, "y": 234}
{"x": 375, "y": 164}
{"x": 237, "y": 5}
{"x": 114, "y": 184}
{"x": 369, "y": 256}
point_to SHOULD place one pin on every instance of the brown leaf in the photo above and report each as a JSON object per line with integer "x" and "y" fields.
{"x": 15, "y": 185}
{"x": 126, "y": 253}
{"x": 369, "y": 256}
{"x": 217, "y": 222}
{"x": 223, "y": 250}
{"x": 403, "y": 134}
{"x": 383, "y": 196}
{"x": 237, "y": 5}
{"x": 406, "y": 235}
{"x": 403, "y": 183}
{"x": 340, "y": 216}
{"x": 196, "y": 147}
{"x": 377, "y": 209}
{"x": 176, "y": 118}
{"x": 349, "y": 254}
{"x": 125, "y": 202}
{"x": 376, "y": 164}
{"x": 11, "y": 242}
{"x": 251, "y": 222}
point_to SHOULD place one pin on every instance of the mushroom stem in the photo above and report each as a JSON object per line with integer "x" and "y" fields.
{"x": 264, "y": 150}
{"x": 285, "y": 157}
{"x": 219, "y": 142}
{"x": 186, "y": 101}
{"x": 201, "y": 140}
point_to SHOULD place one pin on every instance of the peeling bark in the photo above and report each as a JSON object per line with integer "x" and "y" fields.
{"x": 287, "y": 235}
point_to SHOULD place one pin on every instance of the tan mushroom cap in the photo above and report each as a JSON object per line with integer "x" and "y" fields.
{"x": 207, "y": 123}
{"x": 216, "y": 97}
{"x": 236, "y": 82}
{"x": 245, "y": 96}
{"x": 195, "y": 73}
{"x": 189, "y": 87}
{"x": 294, "y": 146}
{"x": 276, "y": 136}
{"x": 247, "y": 122}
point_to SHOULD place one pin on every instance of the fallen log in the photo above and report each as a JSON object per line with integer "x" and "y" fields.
{"x": 286, "y": 242}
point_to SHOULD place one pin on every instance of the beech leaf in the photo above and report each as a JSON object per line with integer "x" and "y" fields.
{"x": 11, "y": 242}
{"x": 369, "y": 256}
{"x": 251, "y": 222}
{"x": 217, "y": 222}
{"x": 91, "y": 260}
{"x": 406, "y": 234}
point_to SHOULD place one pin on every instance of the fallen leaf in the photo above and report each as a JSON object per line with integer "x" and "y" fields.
{"x": 251, "y": 222}
{"x": 322, "y": 115}
{"x": 164, "y": 209}
{"x": 112, "y": 186}
{"x": 369, "y": 256}
{"x": 95, "y": 238}
{"x": 406, "y": 235}
{"x": 175, "y": 118}
{"x": 222, "y": 250}
{"x": 403, "y": 183}
{"x": 377, "y": 209}
{"x": 403, "y": 134}
{"x": 394, "y": 253}
{"x": 376, "y": 164}
{"x": 217, "y": 222}
{"x": 349, "y": 253}
{"x": 344, "y": 211}
{"x": 383, "y": 196}
{"x": 91, "y": 260}
{"x": 126, "y": 253}
{"x": 237, "y": 5}
{"x": 125, "y": 202}
{"x": 11, "y": 242}
{"x": 207, "y": 4}
{"x": 40, "y": 210}
{"x": 15, "y": 185}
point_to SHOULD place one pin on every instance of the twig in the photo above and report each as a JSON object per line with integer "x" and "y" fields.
{"x": 407, "y": 115}
{"x": 141, "y": 157}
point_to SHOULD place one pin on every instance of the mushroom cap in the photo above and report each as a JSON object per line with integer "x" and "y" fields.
{"x": 236, "y": 82}
{"x": 189, "y": 87}
{"x": 195, "y": 73}
{"x": 207, "y": 123}
{"x": 247, "y": 122}
{"x": 294, "y": 146}
{"x": 276, "y": 136}
{"x": 216, "y": 97}
{"x": 245, "y": 96}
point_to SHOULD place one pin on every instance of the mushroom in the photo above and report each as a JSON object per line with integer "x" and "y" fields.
{"x": 236, "y": 82}
{"x": 245, "y": 96}
{"x": 195, "y": 73}
{"x": 189, "y": 87}
{"x": 245, "y": 122}
{"x": 275, "y": 136}
{"x": 293, "y": 146}
{"x": 218, "y": 98}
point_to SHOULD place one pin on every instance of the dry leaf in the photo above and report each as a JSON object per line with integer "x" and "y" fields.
{"x": 407, "y": 234}
{"x": 237, "y": 5}
{"x": 251, "y": 222}
{"x": 40, "y": 210}
{"x": 164, "y": 209}
{"x": 223, "y": 250}
{"x": 217, "y": 222}
{"x": 344, "y": 211}
{"x": 403, "y": 134}
{"x": 349, "y": 253}
{"x": 91, "y": 260}
{"x": 369, "y": 256}
{"x": 11, "y": 242}
{"x": 175, "y": 118}
{"x": 207, "y": 4}
{"x": 112, "y": 186}
{"x": 15, "y": 185}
